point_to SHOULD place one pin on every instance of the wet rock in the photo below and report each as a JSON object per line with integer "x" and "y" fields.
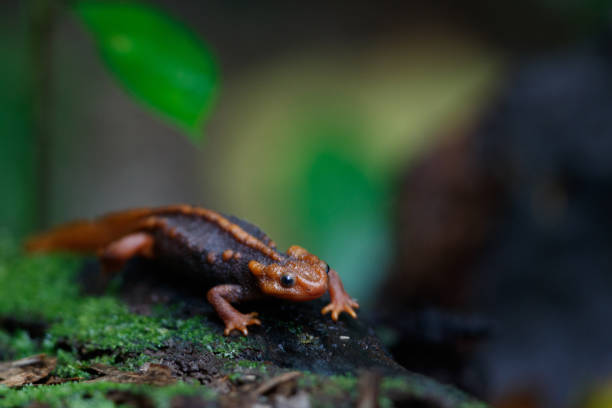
{"x": 292, "y": 335}
{"x": 296, "y": 357}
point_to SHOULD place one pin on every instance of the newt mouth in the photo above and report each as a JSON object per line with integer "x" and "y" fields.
{"x": 308, "y": 295}
{"x": 302, "y": 291}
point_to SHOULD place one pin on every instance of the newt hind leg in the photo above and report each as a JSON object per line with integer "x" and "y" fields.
{"x": 220, "y": 297}
{"x": 114, "y": 256}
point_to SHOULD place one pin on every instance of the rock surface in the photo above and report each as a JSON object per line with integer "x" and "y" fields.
{"x": 115, "y": 342}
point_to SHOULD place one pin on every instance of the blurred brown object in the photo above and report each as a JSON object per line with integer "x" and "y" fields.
{"x": 520, "y": 398}
{"x": 155, "y": 374}
{"x": 369, "y": 390}
{"x": 514, "y": 225}
{"x": 28, "y": 370}
{"x": 445, "y": 209}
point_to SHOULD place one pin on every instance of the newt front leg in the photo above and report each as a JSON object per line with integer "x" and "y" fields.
{"x": 340, "y": 300}
{"x": 220, "y": 297}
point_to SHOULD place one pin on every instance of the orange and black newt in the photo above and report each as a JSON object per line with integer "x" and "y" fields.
{"x": 241, "y": 261}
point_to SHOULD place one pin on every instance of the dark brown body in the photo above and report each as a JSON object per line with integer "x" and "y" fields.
{"x": 197, "y": 247}
{"x": 234, "y": 257}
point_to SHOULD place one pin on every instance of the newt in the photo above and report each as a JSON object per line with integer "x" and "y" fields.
{"x": 240, "y": 260}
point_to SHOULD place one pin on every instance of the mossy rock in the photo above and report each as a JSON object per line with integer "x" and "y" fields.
{"x": 58, "y": 306}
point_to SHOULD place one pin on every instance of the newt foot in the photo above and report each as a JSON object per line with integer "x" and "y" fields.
{"x": 240, "y": 321}
{"x": 339, "y": 304}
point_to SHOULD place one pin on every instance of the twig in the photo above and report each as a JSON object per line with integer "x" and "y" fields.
{"x": 369, "y": 388}
{"x": 275, "y": 382}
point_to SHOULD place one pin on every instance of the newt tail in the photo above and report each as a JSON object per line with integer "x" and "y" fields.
{"x": 87, "y": 236}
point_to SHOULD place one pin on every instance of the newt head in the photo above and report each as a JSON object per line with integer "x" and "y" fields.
{"x": 302, "y": 277}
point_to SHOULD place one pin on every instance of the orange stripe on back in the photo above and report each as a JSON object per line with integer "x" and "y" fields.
{"x": 226, "y": 225}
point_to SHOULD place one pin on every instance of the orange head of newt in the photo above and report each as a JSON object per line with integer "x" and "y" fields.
{"x": 302, "y": 277}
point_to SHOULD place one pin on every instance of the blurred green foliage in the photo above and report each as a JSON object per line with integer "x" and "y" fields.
{"x": 17, "y": 170}
{"x": 323, "y": 139}
{"x": 341, "y": 209}
{"x": 157, "y": 59}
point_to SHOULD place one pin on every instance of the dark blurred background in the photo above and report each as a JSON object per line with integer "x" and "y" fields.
{"x": 452, "y": 160}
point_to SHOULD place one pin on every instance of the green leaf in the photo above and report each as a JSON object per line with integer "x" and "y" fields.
{"x": 157, "y": 59}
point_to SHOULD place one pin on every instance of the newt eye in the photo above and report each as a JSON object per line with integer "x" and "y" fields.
{"x": 287, "y": 281}
{"x": 327, "y": 270}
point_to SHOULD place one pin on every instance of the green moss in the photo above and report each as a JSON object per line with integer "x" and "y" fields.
{"x": 200, "y": 334}
{"x": 306, "y": 380}
{"x": 333, "y": 385}
{"x": 335, "y": 390}
{"x": 336, "y": 385}
{"x": 17, "y": 345}
{"x": 251, "y": 364}
{"x": 132, "y": 363}
{"x": 44, "y": 288}
{"x": 69, "y": 367}
{"x": 330, "y": 391}
{"x": 39, "y": 287}
{"x": 385, "y": 402}
{"x": 233, "y": 377}
{"x": 346, "y": 383}
{"x": 104, "y": 323}
{"x": 397, "y": 384}
{"x": 420, "y": 386}
{"x": 238, "y": 368}
{"x": 94, "y": 394}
